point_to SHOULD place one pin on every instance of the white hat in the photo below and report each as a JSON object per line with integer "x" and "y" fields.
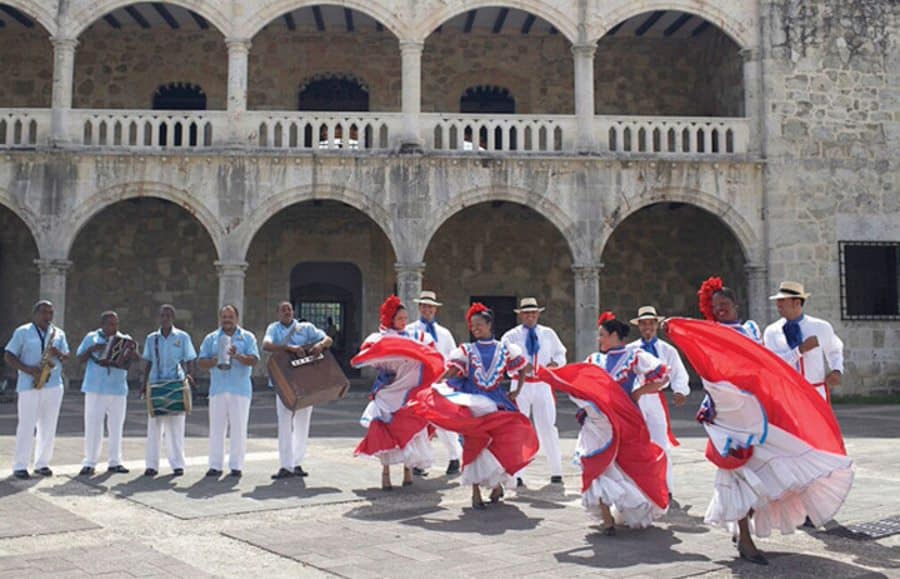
{"x": 790, "y": 289}
{"x": 646, "y": 313}
{"x": 528, "y": 305}
{"x": 427, "y": 298}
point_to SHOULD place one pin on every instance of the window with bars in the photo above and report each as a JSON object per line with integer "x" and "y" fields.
{"x": 319, "y": 314}
{"x": 870, "y": 277}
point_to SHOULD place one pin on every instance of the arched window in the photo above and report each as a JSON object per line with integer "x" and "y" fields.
{"x": 179, "y": 96}
{"x": 487, "y": 100}
{"x": 333, "y": 93}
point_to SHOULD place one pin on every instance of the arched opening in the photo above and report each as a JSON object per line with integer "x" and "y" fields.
{"x": 493, "y": 61}
{"x": 662, "y": 253}
{"x": 327, "y": 255}
{"x": 26, "y": 62}
{"x": 470, "y": 259}
{"x": 179, "y": 96}
{"x": 136, "y": 255}
{"x": 128, "y": 54}
{"x": 668, "y": 63}
{"x": 334, "y": 93}
{"x": 19, "y": 280}
{"x": 329, "y": 295}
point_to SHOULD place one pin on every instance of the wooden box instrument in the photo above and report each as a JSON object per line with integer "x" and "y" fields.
{"x": 306, "y": 381}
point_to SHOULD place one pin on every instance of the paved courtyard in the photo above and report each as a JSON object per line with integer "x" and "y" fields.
{"x": 337, "y": 522}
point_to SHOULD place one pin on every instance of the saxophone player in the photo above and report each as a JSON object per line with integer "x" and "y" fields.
{"x": 34, "y": 349}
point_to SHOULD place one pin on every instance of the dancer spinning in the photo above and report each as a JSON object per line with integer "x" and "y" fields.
{"x": 396, "y": 435}
{"x": 636, "y": 372}
{"x": 776, "y": 442}
{"x": 498, "y": 440}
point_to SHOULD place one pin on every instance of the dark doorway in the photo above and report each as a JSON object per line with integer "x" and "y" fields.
{"x": 179, "y": 96}
{"x": 333, "y": 93}
{"x": 330, "y": 290}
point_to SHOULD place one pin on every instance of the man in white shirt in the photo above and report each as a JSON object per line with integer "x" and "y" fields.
{"x": 542, "y": 348}
{"x": 655, "y": 408}
{"x": 38, "y": 408}
{"x": 808, "y": 344}
{"x": 445, "y": 344}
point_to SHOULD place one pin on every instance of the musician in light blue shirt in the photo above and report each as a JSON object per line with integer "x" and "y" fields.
{"x": 38, "y": 409}
{"x": 299, "y": 339}
{"x": 229, "y": 354}
{"x": 105, "y": 390}
{"x": 167, "y": 351}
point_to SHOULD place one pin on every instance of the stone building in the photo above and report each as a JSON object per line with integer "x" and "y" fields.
{"x": 593, "y": 153}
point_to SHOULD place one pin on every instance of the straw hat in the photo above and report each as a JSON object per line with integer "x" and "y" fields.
{"x": 428, "y": 298}
{"x": 646, "y": 313}
{"x": 528, "y": 305}
{"x": 790, "y": 289}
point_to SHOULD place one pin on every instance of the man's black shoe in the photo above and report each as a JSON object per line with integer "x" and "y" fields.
{"x": 21, "y": 474}
{"x": 453, "y": 467}
{"x": 44, "y": 471}
{"x": 282, "y": 473}
{"x": 86, "y": 471}
{"x": 213, "y": 472}
{"x": 178, "y": 472}
{"x": 556, "y": 479}
{"x": 150, "y": 472}
{"x": 235, "y": 473}
{"x": 298, "y": 471}
{"x": 419, "y": 471}
{"x": 520, "y": 484}
{"x": 118, "y": 469}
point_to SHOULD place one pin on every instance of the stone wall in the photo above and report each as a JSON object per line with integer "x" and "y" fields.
{"x": 501, "y": 249}
{"x": 133, "y": 257}
{"x": 660, "y": 255}
{"x": 659, "y": 76}
{"x": 122, "y": 69}
{"x": 19, "y": 280}
{"x": 833, "y": 83}
{"x": 27, "y": 82}
{"x": 319, "y": 232}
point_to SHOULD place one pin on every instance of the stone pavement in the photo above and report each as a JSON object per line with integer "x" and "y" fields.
{"x": 337, "y": 522}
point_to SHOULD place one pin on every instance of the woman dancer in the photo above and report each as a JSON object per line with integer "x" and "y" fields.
{"x": 395, "y": 435}
{"x": 780, "y": 453}
{"x": 498, "y": 441}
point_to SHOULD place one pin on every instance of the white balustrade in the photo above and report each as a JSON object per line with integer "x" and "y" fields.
{"x": 135, "y": 129}
{"x": 24, "y": 127}
{"x": 321, "y": 131}
{"x": 512, "y": 133}
{"x": 673, "y": 135}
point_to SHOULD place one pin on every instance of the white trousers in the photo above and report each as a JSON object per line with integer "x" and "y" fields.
{"x": 228, "y": 413}
{"x": 293, "y": 434}
{"x": 172, "y": 429}
{"x": 536, "y": 400}
{"x": 38, "y": 411}
{"x": 451, "y": 443}
{"x": 655, "y": 417}
{"x": 96, "y": 408}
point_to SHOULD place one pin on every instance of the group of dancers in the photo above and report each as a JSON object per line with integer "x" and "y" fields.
{"x": 773, "y": 437}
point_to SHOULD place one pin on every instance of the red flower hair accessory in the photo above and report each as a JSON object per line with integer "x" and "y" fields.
{"x": 605, "y": 317}
{"x": 389, "y": 309}
{"x": 705, "y": 294}
{"x": 474, "y": 310}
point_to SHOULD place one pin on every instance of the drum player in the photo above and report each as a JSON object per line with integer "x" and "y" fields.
{"x": 169, "y": 355}
{"x": 300, "y": 339}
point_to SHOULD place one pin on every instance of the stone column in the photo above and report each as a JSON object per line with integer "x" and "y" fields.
{"x": 409, "y": 282}
{"x": 231, "y": 283}
{"x": 757, "y": 293}
{"x": 753, "y": 99}
{"x": 411, "y": 98}
{"x": 53, "y": 285}
{"x": 584, "y": 96}
{"x": 587, "y": 306}
{"x": 63, "y": 80}
{"x": 238, "y": 57}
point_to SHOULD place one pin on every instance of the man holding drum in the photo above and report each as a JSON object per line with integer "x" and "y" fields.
{"x": 300, "y": 339}
{"x": 167, "y": 352}
{"x": 229, "y": 354}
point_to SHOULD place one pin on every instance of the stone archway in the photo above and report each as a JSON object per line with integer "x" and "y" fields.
{"x": 19, "y": 279}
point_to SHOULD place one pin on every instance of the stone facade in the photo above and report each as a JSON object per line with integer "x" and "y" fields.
{"x": 817, "y": 81}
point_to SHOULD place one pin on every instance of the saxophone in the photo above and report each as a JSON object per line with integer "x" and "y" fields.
{"x": 47, "y": 364}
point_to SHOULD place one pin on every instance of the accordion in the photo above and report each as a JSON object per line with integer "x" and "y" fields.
{"x": 306, "y": 381}
{"x": 117, "y": 352}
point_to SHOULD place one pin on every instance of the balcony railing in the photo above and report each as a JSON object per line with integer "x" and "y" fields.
{"x": 353, "y": 132}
